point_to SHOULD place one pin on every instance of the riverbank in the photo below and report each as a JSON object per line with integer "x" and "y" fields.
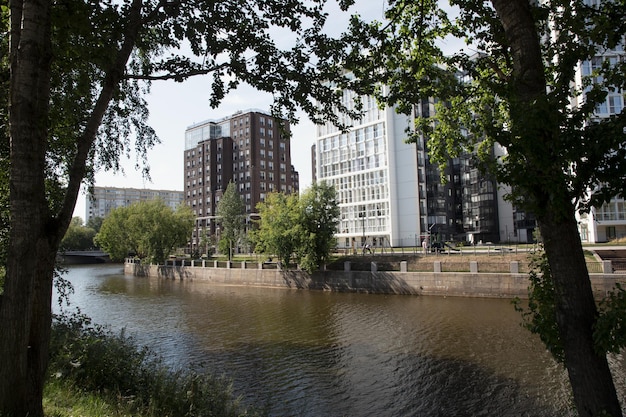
{"x": 502, "y": 277}
{"x": 94, "y": 372}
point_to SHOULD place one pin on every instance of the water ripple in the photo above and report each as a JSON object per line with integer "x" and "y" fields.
{"x": 324, "y": 354}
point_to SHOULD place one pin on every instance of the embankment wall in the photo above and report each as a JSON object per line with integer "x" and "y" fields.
{"x": 462, "y": 284}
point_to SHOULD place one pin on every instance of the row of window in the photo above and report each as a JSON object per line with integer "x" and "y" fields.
{"x": 611, "y": 211}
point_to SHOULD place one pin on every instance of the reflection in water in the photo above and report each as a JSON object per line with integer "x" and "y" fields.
{"x": 306, "y": 353}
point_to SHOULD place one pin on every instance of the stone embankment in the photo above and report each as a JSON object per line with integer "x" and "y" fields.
{"x": 442, "y": 279}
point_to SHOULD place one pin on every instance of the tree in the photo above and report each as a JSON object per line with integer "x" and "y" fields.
{"x": 277, "y": 232}
{"x": 149, "y": 229}
{"x": 95, "y": 223}
{"x": 77, "y": 237}
{"x": 231, "y": 218}
{"x": 317, "y": 225}
{"x": 515, "y": 90}
{"x": 303, "y": 226}
{"x": 77, "y": 74}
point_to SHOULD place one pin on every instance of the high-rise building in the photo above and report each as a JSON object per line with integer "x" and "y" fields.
{"x": 375, "y": 174}
{"x": 104, "y": 199}
{"x": 607, "y": 222}
{"x": 250, "y": 148}
{"x": 390, "y": 194}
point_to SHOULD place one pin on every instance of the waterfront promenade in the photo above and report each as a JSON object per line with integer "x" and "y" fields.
{"x": 442, "y": 275}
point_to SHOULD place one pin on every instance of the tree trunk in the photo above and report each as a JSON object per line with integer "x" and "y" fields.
{"x": 21, "y": 362}
{"x": 25, "y": 306}
{"x": 589, "y": 374}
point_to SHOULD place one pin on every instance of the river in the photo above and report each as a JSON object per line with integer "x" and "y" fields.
{"x": 307, "y": 353}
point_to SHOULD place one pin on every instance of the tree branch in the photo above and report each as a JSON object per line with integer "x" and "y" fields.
{"x": 110, "y": 83}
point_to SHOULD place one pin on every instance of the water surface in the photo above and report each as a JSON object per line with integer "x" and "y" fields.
{"x": 309, "y": 353}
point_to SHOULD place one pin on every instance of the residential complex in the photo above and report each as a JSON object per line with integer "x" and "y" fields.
{"x": 391, "y": 195}
{"x": 607, "y": 222}
{"x": 102, "y": 200}
{"x": 250, "y": 148}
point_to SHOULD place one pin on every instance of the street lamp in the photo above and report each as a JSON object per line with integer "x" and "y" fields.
{"x": 362, "y": 215}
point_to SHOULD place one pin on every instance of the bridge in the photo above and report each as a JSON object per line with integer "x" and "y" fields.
{"x": 83, "y": 257}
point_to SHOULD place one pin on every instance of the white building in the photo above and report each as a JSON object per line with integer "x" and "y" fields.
{"x": 607, "y": 222}
{"x": 376, "y": 177}
{"x": 390, "y": 195}
{"x": 104, "y": 199}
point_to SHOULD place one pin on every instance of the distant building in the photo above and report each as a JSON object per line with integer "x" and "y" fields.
{"x": 250, "y": 148}
{"x": 104, "y": 199}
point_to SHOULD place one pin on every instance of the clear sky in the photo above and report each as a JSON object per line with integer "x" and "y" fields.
{"x": 175, "y": 106}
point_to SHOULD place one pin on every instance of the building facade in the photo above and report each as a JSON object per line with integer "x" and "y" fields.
{"x": 607, "y": 222}
{"x": 102, "y": 200}
{"x": 375, "y": 175}
{"x": 390, "y": 194}
{"x": 250, "y": 148}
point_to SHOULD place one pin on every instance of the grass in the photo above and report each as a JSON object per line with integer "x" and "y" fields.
{"x": 95, "y": 373}
{"x": 63, "y": 399}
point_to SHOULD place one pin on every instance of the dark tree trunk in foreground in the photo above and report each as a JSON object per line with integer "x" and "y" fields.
{"x": 588, "y": 371}
{"x": 589, "y": 374}
{"x": 36, "y": 232}
{"x": 25, "y": 304}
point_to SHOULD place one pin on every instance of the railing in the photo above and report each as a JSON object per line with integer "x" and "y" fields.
{"x": 513, "y": 267}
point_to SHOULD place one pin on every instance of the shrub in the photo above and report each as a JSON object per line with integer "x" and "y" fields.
{"x": 92, "y": 358}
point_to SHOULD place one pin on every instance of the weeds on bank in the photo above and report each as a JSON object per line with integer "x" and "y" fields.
{"x": 103, "y": 374}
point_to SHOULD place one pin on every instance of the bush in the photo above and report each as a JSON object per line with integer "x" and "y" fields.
{"x": 90, "y": 357}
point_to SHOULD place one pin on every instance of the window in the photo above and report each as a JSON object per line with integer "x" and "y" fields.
{"x": 616, "y": 104}
{"x": 610, "y": 233}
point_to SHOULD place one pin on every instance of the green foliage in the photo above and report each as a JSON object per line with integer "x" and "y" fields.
{"x": 117, "y": 369}
{"x": 231, "y": 218}
{"x": 149, "y": 229}
{"x": 78, "y": 237}
{"x": 540, "y": 316}
{"x": 278, "y": 232}
{"x": 302, "y": 226}
{"x": 482, "y": 96}
{"x": 317, "y": 224}
{"x": 610, "y": 328}
{"x": 95, "y": 223}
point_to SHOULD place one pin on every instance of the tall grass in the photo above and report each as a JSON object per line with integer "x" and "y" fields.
{"x": 112, "y": 370}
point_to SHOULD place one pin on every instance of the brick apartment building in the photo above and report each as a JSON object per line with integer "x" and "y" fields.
{"x": 250, "y": 148}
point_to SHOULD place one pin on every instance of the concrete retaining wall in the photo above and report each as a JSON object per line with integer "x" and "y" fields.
{"x": 490, "y": 285}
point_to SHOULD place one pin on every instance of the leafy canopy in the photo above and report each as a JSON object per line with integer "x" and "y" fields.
{"x": 231, "y": 218}
{"x": 277, "y": 232}
{"x": 477, "y": 98}
{"x": 303, "y": 226}
{"x": 149, "y": 229}
{"x": 78, "y": 236}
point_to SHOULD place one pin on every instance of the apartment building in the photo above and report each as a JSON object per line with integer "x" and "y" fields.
{"x": 607, "y": 222}
{"x": 376, "y": 177}
{"x": 390, "y": 194}
{"x": 250, "y": 148}
{"x": 102, "y": 200}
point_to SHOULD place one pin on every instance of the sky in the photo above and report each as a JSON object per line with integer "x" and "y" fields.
{"x": 175, "y": 106}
